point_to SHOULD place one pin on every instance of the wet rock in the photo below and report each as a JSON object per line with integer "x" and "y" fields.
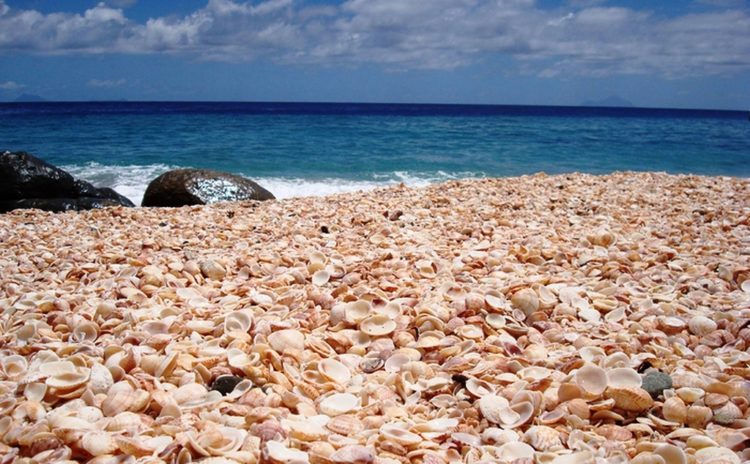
{"x": 225, "y": 384}
{"x": 655, "y": 382}
{"x": 29, "y": 182}
{"x": 182, "y": 187}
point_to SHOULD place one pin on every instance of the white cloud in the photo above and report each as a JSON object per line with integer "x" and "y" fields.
{"x": 106, "y": 84}
{"x": 582, "y": 38}
{"x": 11, "y": 85}
{"x": 121, "y": 3}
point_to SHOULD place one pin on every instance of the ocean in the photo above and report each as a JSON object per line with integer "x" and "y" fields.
{"x": 297, "y": 149}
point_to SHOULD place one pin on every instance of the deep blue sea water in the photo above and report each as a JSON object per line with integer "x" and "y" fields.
{"x": 313, "y": 148}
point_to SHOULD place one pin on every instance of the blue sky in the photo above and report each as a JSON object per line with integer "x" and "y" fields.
{"x": 693, "y": 53}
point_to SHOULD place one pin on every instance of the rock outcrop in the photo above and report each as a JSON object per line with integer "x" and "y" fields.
{"x": 29, "y": 182}
{"x": 182, "y": 187}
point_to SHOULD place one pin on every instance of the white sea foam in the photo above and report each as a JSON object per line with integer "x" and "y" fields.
{"x": 132, "y": 180}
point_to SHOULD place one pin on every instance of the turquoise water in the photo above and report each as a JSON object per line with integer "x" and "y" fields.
{"x": 297, "y": 149}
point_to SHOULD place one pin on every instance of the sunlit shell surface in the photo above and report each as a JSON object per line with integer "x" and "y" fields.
{"x": 571, "y": 319}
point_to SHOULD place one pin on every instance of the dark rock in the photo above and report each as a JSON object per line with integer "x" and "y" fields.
{"x": 29, "y": 182}
{"x": 201, "y": 187}
{"x": 655, "y": 382}
{"x": 225, "y": 384}
{"x": 58, "y": 204}
{"x": 26, "y": 176}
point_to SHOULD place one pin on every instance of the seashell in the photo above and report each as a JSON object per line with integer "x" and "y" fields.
{"x": 357, "y": 311}
{"x": 338, "y": 404}
{"x": 35, "y": 391}
{"x": 592, "y": 379}
{"x": 492, "y": 407}
{"x": 321, "y": 278}
{"x": 308, "y": 430}
{"x": 579, "y": 408}
{"x": 716, "y": 455}
{"x": 443, "y": 425}
{"x": 278, "y": 452}
{"x": 542, "y": 438}
{"x": 354, "y": 454}
{"x": 335, "y": 371}
{"x": 13, "y": 366}
{"x": 100, "y": 379}
{"x": 671, "y": 454}
{"x": 727, "y": 414}
{"x": 623, "y": 377}
{"x": 377, "y": 325}
{"x": 98, "y": 443}
{"x": 648, "y": 458}
{"x": 580, "y": 457}
{"x": 496, "y": 321}
{"x": 701, "y": 326}
{"x": 633, "y": 399}
{"x": 368, "y": 365}
{"x": 287, "y": 339}
{"x": 345, "y": 424}
{"x": 85, "y": 332}
{"x": 240, "y": 321}
{"x": 212, "y": 270}
{"x": 698, "y": 416}
{"x": 674, "y": 410}
{"x": 479, "y": 388}
{"x": 514, "y": 451}
{"x": 399, "y": 433}
{"x": 591, "y": 354}
{"x": 495, "y": 302}
{"x": 526, "y": 300}
{"x": 69, "y": 380}
{"x": 690, "y": 394}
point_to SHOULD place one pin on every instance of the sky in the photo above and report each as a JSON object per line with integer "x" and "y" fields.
{"x": 653, "y": 53}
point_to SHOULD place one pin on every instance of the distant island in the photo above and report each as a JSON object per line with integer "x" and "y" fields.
{"x": 29, "y": 97}
{"x": 612, "y": 101}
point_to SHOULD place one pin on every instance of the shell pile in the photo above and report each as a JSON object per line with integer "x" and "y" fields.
{"x": 541, "y": 319}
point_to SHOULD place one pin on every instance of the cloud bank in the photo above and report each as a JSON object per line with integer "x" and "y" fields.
{"x": 583, "y": 38}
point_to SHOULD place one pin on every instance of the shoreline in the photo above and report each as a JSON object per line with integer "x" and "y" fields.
{"x": 523, "y": 317}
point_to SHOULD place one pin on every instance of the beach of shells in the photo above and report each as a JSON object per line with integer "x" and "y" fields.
{"x": 540, "y": 319}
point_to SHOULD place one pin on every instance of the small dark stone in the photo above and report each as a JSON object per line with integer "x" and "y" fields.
{"x": 655, "y": 382}
{"x": 324, "y": 230}
{"x": 225, "y": 384}
{"x": 162, "y": 224}
{"x": 644, "y": 367}
{"x": 230, "y": 214}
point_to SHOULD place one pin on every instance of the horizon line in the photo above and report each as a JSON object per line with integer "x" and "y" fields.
{"x": 633, "y": 107}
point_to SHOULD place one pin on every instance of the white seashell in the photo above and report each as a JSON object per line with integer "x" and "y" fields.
{"x": 356, "y": 311}
{"x": 377, "y": 325}
{"x": 690, "y": 394}
{"x": 14, "y": 365}
{"x": 591, "y": 354}
{"x": 278, "y": 452}
{"x": 495, "y": 302}
{"x": 514, "y": 451}
{"x": 580, "y": 457}
{"x": 85, "y": 332}
{"x": 443, "y": 425}
{"x": 101, "y": 378}
{"x": 321, "y": 278}
{"x": 287, "y": 339}
{"x": 240, "y": 321}
{"x": 392, "y": 310}
{"x": 526, "y": 300}
{"x": 496, "y": 321}
{"x": 69, "y": 380}
{"x": 399, "y": 433}
{"x": 671, "y": 454}
{"x": 35, "y": 391}
{"x": 716, "y": 454}
{"x": 592, "y": 379}
{"x": 339, "y": 403}
{"x": 701, "y": 326}
{"x": 623, "y": 377}
{"x": 542, "y": 438}
{"x": 98, "y": 443}
{"x": 238, "y": 358}
{"x": 492, "y": 408}
{"x": 335, "y": 371}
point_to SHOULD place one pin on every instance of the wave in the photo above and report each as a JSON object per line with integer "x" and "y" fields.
{"x": 132, "y": 180}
